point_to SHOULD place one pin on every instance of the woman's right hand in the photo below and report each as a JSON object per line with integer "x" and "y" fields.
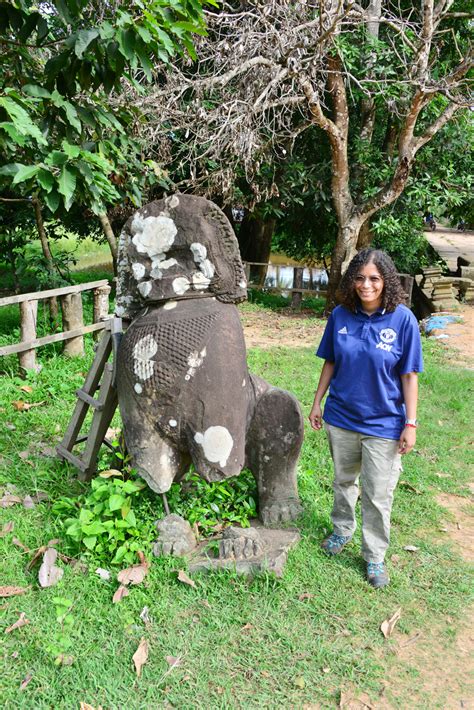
{"x": 316, "y": 417}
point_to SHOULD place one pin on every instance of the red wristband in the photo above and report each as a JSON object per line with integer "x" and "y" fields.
{"x": 413, "y": 426}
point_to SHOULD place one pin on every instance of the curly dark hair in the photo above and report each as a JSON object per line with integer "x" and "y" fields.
{"x": 392, "y": 293}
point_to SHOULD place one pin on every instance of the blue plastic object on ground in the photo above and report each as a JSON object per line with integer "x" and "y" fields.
{"x": 439, "y": 322}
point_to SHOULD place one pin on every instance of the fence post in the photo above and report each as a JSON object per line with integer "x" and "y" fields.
{"x": 297, "y": 296}
{"x": 28, "y": 318}
{"x": 71, "y": 307}
{"x": 101, "y": 306}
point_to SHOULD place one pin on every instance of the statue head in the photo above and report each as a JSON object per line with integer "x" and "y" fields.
{"x": 182, "y": 246}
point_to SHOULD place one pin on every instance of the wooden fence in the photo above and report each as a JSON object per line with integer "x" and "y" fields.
{"x": 72, "y": 314}
{"x": 297, "y": 282}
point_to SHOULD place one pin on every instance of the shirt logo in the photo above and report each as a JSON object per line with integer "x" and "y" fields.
{"x": 387, "y": 335}
{"x": 343, "y": 331}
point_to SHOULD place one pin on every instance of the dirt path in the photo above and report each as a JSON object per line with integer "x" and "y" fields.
{"x": 434, "y": 667}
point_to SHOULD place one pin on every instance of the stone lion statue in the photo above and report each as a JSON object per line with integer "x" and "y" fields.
{"x": 185, "y": 392}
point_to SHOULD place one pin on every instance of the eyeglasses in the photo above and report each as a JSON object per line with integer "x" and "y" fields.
{"x": 375, "y": 280}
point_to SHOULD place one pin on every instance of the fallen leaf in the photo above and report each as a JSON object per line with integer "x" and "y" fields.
{"x": 13, "y": 591}
{"x": 395, "y": 559}
{"x": 49, "y": 574}
{"x": 39, "y": 496}
{"x": 265, "y": 674}
{"x": 19, "y": 543}
{"x": 86, "y": 706}
{"x": 48, "y": 451}
{"x": 21, "y": 621}
{"x": 111, "y": 472}
{"x": 27, "y": 389}
{"x": 10, "y": 426}
{"x": 326, "y": 670}
{"x": 64, "y": 660}
{"x": 410, "y": 487}
{"x": 134, "y": 574}
{"x": 103, "y": 573}
{"x": 205, "y": 603}
{"x": 26, "y": 680}
{"x": 8, "y": 500}
{"x": 411, "y": 640}
{"x": 145, "y": 616}
{"x": 183, "y": 577}
{"x": 140, "y": 656}
{"x": 28, "y": 502}
{"x": 22, "y": 406}
{"x": 24, "y": 454}
{"x": 411, "y": 548}
{"x": 299, "y": 682}
{"x": 120, "y": 594}
{"x": 173, "y": 661}
{"x": 247, "y": 627}
{"x": 305, "y": 595}
{"x": 388, "y": 625}
{"x": 443, "y": 475}
{"x": 7, "y": 528}
{"x": 38, "y": 554}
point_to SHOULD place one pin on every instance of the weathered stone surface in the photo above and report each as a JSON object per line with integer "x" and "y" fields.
{"x": 175, "y": 537}
{"x": 185, "y": 392}
{"x": 273, "y": 548}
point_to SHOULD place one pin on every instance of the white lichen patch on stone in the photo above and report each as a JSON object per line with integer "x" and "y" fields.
{"x": 200, "y": 282}
{"x": 173, "y": 422}
{"x": 195, "y": 360}
{"x": 216, "y": 443}
{"x": 169, "y": 305}
{"x": 144, "y": 287}
{"x": 138, "y": 271}
{"x": 180, "y": 285}
{"x": 167, "y": 264}
{"x": 156, "y": 273}
{"x": 143, "y": 351}
{"x": 199, "y": 251}
{"x": 243, "y": 382}
{"x": 243, "y": 284}
{"x": 138, "y": 388}
{"x": 207, "y": 268}
{"x": 119, "y": 311}
{"x": 153, "y": 235}
{"x": 172, "y": 202}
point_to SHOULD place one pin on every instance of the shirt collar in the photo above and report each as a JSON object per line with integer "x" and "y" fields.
{"x": 379, "y": 311}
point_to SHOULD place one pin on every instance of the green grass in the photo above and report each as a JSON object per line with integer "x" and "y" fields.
{"x": 295, "y": 651}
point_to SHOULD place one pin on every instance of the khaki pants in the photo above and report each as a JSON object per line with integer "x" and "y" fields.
{"x": 378, "y": 464}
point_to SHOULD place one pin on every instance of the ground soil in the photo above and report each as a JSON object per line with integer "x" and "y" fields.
{"x": 432, "y": 668}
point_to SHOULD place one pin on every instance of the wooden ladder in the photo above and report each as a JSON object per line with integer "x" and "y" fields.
{"x": 100, "y": 377}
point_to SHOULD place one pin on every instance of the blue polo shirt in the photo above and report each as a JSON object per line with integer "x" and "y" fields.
{"x": 369, "y": 354}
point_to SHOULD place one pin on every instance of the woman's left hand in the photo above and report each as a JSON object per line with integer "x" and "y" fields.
{"x": 407, "y": 440}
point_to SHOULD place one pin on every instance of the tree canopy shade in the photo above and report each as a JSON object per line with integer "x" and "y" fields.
{"x": 377, "y": 79}
{"x": 65, "y": 134}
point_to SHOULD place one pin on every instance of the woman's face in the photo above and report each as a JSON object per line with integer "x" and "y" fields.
{"x": 368, "y": 285}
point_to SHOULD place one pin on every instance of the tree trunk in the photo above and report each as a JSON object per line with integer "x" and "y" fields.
{"x": 344, "y": 250}
{"x": 255, "y": 242}
{"x": 52, "y": 302}
{"x": 297, "y": 296}
{"x": 365, "y": 237}
{"x": 110, "y": 236}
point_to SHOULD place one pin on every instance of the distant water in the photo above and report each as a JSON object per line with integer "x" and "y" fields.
{"x": 285, "y": 275}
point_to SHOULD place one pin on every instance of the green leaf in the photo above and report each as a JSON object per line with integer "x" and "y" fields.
{"x": 56, "y": 159}
{"x": 127, "y": 41}
{"x": 52, "y": 201}
{"x": 45, "y": 179}
{"x": 10, "y": 169}
{"x": 72, "y": 116}
{"x": 131, "y": 518}
{"x": 84, "y": 38}
{"x": 72, "y": 151}
{"x": 25, "y": 172}
{"x": 67, "y": 185}
{"x": 116, "y": 501}
{"x": 90, "y": 541}
{"x": 37, "y": 91}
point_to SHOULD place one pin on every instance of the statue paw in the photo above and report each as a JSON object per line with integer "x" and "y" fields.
{"x": 175, "y": 537}
{"x": 282, "y": 512}
{"x": 239, "y": 544}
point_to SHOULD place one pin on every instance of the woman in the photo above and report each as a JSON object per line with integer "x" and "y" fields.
{"x": 372, "y": 353}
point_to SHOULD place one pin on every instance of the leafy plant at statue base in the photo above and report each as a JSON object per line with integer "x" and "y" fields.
{"x": 61, "y": 641}
{"x": 113, "y": 521}
{"x": 232, "y": 501}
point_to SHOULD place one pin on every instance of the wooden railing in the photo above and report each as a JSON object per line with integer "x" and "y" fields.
{"x": 297, "y": 279}
{"x": 72, "y": 316}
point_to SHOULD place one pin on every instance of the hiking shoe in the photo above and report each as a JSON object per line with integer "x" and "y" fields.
{"x": 334, "y": 544}
{"x": 377, "y": 575}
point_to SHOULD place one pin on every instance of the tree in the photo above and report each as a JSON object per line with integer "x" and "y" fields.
{"x": 378, "y": 80}
{"x": 67, "y": 136}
